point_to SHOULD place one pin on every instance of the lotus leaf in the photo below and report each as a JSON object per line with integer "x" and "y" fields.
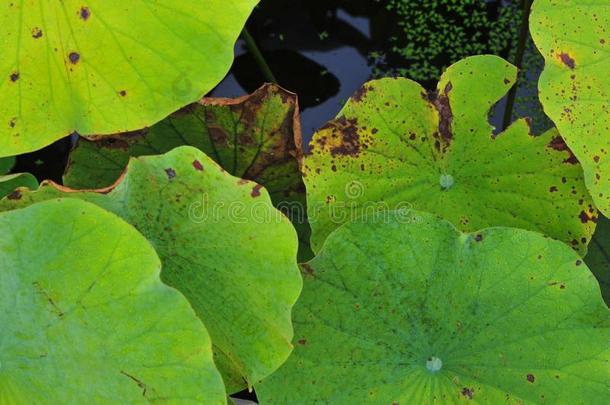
{"x": 401, "y": 308}
{"x": 107, "y": 66}
{"x": 222, "y": 244}
{"x": 86, "y": 319}
{"x": 574, "y": 87}
{"x": 395, "y": 146}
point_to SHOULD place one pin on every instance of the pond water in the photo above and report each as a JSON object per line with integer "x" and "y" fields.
{"x": 321, "y": 68}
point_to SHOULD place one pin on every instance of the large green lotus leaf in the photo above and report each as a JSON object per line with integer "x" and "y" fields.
{"x": 404, "y": 309}
{"x": 256, "y": 137}
{"x": 106, "y": 66}
{"x": 86, "y": 319}
{"x": 574, "y": 87}
{"x": 222, "y": 244}
{"x": 394, "y": 146}
{"x": 11, "y": 182}
{"x": 598, "y": 257}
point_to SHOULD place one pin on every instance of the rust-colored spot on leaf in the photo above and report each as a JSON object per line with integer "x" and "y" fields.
{"x": 85, "y": 13}
{"x": 360, "y": 93}
{"x": 558, "y": 144}
{"x": 530, "y": 378}
{"x": 171, "y": 173}
{"x": 197, "y": 165}
{"x": 74, "y": 57}
{"x": 14, "y": 76}
{"x": 468, "y": 392}
{"x": 443, "y": 106}
{"x": 585, "y": 217}
{"x": 350, "y": 144}
{"x": 256, "y": 191}
{"x": 36, "y": 33}
{"x": 302, "y": 342}
{"x": 573, "y": 160}
{"x": 567, "y": 60}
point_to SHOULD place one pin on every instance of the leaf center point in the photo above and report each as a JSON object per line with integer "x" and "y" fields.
{"x": 446, "y": 181}
{"x": 434, "y": 364}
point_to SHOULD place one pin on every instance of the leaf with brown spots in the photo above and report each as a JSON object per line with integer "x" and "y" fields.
{"x": 255, "y": 137}
{"x": 102, "y": 67}
{"x": 574, "y": 38}
{"x": 10, "y": 182}
{"x": 232, "y": 256}
{"x": 403, "y": 308}
{"x": 396, "y": 146}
